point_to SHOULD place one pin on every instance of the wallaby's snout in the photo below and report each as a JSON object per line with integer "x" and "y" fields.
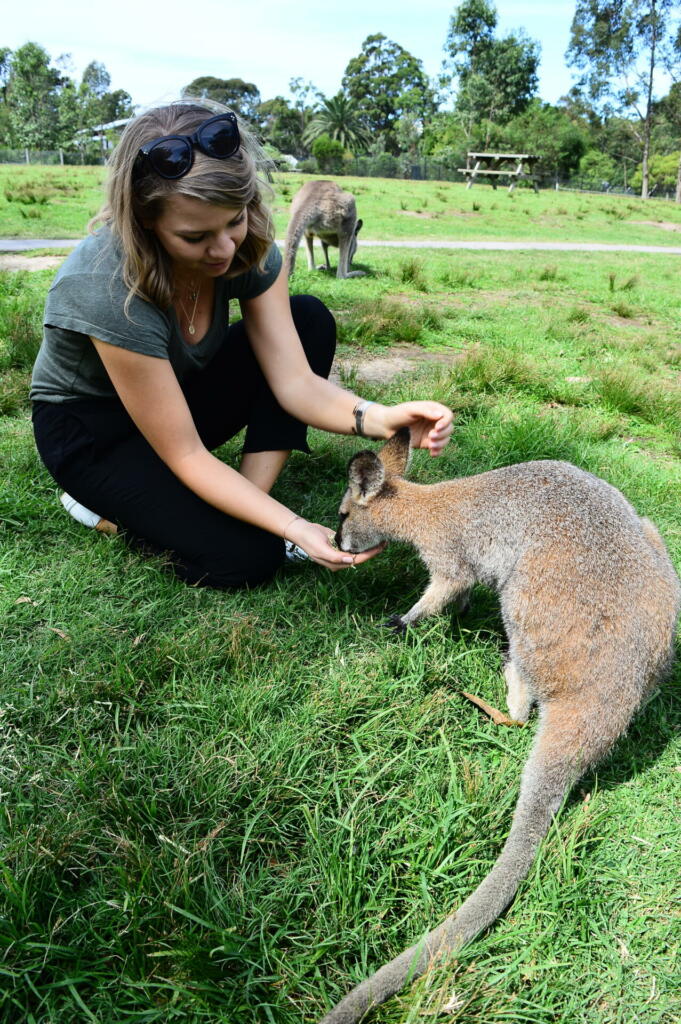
{"x": 342, "y": 516}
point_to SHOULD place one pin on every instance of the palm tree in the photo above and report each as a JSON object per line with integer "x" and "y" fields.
{"x": 339, "y": 118}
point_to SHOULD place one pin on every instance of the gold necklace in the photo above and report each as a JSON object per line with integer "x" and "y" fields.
{"x": 193, "y": 296}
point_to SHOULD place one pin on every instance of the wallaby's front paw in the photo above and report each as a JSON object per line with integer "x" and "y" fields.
{"x": 396, "y": 623}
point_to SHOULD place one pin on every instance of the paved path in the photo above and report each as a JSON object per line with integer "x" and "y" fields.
{"x": 21, "y": 244}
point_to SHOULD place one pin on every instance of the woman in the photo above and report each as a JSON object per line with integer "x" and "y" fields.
{"x": 139, "y": 376}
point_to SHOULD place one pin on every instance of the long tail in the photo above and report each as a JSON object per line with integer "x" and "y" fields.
{"x": 563, "y": 750}
{"x": 294, "y": 233}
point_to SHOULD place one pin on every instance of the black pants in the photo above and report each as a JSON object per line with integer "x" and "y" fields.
{"x": 96, "y": 453}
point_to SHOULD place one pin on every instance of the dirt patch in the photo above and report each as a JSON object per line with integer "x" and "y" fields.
{"x": 417, "y": 213}
{"x": 666, "y": 225}
{"x": 15, "y": 261}
{"x": 390, "y": 363}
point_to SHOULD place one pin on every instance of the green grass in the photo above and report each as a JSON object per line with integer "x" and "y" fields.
{"x": 48, "y": 202}
{"x": 56, "y": 202}
{"x": 229, "y": 807}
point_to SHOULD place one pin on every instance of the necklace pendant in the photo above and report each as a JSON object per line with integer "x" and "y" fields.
{"x": 191, "y": 329}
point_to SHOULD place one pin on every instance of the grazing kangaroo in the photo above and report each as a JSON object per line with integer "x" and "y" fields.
{"x": 321, "y": 208}
{"x": 589, "y": 600}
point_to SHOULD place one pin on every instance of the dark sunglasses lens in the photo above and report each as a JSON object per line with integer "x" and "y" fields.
{"x": 171, "y": 159}
{"x": 220, "y": 139}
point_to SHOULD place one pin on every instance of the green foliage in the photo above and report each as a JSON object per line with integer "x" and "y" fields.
{"x": 620, "y": 48}
{"x": 663, "y": 173}
{"x": 329, "y": 154}
{"x": 282, "y": 127}
{"x": 386, "y": 81}
{"x": 497, "y": 78}
{"x": 547, "y": 131}
{"x": 42, "y": 109}
{"x": 21, "y": 316}
{"x": 596, "y": 167}
{"x": 241, "y": 97}
{"x": 32, "y": 97}
{"x": 339, "y": 118}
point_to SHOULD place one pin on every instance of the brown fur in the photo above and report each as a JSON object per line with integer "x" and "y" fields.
{"x": 321, "y": 208}
{"x": 589, "y": 600}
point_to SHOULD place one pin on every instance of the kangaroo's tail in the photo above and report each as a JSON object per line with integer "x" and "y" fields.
{"x": 566, "y": 745}
{"x": 294, "y": 233}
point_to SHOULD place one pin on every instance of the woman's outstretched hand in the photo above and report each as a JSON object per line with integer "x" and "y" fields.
{"x": 318, "y": 542}
{"x": 430, "y": 423}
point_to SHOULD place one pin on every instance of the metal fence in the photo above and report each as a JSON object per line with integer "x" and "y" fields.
{"x": 385, "y": 165}
{"x": 51, "y": 157}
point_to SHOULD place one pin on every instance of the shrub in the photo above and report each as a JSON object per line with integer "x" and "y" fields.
{"x": 329, "y": 154}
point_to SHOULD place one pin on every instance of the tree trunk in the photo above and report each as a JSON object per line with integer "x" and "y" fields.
{"x": 648, "y": 123}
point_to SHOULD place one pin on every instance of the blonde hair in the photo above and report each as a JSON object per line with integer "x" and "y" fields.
{"x": 233, "y": 183}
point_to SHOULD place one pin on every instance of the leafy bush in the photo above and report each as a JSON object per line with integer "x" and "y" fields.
{"x": 329, "y": 154}
{"x": 662, "y": 171}
{"x": 596, "y": 167}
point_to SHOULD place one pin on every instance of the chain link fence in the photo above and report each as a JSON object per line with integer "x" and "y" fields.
{"x": 49, "y": 157}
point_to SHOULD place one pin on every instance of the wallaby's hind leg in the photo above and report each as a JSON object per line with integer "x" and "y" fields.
{"x": 518, "y": 696}
{"x": 325, "y": 250}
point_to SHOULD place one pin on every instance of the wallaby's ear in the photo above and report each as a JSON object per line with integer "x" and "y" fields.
{"x": 395, "y": 453}
{"x": 358, "y": 225}
{"x": 366, "y": 475}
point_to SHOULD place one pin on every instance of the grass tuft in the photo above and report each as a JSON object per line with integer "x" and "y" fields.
{"x": 411, "y": 272}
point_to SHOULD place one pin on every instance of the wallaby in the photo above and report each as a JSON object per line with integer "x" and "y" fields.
{"x": 589, "y": 600}
{"x": 321, "y": 208}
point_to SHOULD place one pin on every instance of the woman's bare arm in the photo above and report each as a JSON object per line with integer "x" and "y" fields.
{"x": 151, "y": 394}
{"x": 317, "y": 401}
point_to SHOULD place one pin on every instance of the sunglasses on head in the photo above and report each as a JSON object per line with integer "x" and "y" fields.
{"x": 172, "y": 156}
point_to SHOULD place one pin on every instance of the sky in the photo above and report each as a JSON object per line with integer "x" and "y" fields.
{"x": 153, "y": 50}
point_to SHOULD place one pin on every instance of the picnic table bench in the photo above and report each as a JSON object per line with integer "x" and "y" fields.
{"x": 515, "y": 166}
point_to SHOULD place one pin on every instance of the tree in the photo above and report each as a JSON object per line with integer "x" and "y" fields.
{"x": 306, "y": 95}
{"x": 339, "y": 118}
{"x": 5, "y": 66}
{"x": 495, "y": 78}
{"x": 548, "y": 131}
{"x": 241, "y": 97}
{"x": 618, "y": 46}
{"x": 32, "y": 96}
{"x": 96, "y": 79}
{"x": 116, "y": 106}
{"x": 69, "y": 116}
{"x": 386, "y": 81}
{"x": 280, "y": 126}
{"x": 671, "y": 105}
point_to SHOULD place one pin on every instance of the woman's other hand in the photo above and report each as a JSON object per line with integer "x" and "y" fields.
{"x": 430, "y": 423}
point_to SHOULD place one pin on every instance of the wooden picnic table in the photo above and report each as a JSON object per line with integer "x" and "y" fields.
{"x": 515, "y": 166}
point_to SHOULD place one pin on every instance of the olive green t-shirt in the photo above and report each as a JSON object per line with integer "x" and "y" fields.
{"x": 87, "y": 299}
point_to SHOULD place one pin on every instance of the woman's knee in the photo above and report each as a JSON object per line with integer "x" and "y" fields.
{"x": 316, "y": 329}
